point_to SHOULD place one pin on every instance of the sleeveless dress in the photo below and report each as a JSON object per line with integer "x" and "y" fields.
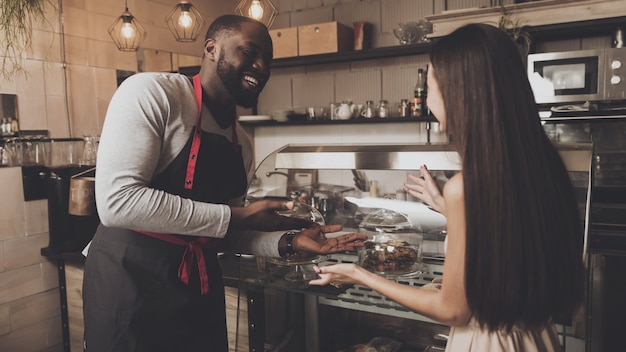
{"x": 472, "y": 338}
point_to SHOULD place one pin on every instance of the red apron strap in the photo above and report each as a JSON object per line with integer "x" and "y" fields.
{"x": 193, "y": 252}
{"x": 195, "y": 144}
{"x": 197, "y": 136}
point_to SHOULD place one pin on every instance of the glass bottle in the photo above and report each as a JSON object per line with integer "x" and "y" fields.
{"x": 425, "y": 109}
{"x": 4, "y": 125}
{"x": 15, "y": 127}
{"x": 374, "y": 189}
{"x": 301, "y": 210}
{"x": 383, "y": 111}
{"x": 404, "y": 108}
{"x": 418, "y": 94}
{"x": 90, "y": 151}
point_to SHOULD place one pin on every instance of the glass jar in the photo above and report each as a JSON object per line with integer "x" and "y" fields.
{"x": 393, "y": 248}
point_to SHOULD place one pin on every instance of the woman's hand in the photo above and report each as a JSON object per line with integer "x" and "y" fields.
{"x": 313, "y": 240}
{"x": 261, "y": 216}
{"x": 337, "y": 274}
{"x": 427, "y": 190}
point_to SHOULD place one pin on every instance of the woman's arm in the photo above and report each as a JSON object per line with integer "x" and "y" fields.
{"x": 427, "y": 190}
{"x": 449, "y": 306}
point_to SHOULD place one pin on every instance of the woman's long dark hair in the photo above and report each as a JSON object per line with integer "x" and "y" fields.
{"x": 524, "y": 235}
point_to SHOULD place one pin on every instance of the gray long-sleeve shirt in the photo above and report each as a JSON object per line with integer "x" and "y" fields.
{"x": 149, "y": 120}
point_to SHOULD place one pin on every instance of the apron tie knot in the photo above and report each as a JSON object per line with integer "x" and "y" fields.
{"x": 193, "y": 251}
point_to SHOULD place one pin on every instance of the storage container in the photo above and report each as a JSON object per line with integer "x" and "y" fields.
{"x": 323, "y": 38}
{"x": 63, "y": 152}
{"x": 285, "y": 41}
{"x": 394, "y": 248}
{"x": 68, "y": 232}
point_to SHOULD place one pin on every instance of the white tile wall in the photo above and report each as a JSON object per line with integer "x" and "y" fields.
{"x": 400, "y": 11}
{"x": 25, "y": 251}
{"x": 45, "y": 46}
{"x": 5, "y": 322}
{"x": 465, "y": 4}
{"x": 12, "y": 215}
{"x": 279, "y": 88}
{"x": 310, "y": 16}
{"x": 312, "y": 90}
{"x": 29, "y": 300}
{"x": 32, "y": 96}
{"x": 350, "y": 12}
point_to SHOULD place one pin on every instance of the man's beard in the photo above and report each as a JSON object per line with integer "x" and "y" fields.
{"x": 232, "y": 80}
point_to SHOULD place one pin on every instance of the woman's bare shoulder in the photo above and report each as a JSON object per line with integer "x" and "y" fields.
{"x": 453, "y": 189}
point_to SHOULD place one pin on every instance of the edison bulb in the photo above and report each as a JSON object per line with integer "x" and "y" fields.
{"x": 185, "y": 19}
{"x": 256, "y": 10}
{"x": 127, "y": 30}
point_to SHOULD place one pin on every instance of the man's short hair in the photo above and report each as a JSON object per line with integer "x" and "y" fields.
{"x": 226, "y": 25}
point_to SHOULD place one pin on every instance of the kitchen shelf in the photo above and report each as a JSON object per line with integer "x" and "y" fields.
{"x": 542, "y": 32}
{"x": 340, "y": 122}
{"x": 577, "y": 29}
{"x": 356, "y": 55}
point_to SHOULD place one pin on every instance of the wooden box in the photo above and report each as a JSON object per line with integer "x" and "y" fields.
{"x": 322, "y": 38}
{"x": 285, "y": 41}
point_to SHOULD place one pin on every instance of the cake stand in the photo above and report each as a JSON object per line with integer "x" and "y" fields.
{"x": 298, "y": 272}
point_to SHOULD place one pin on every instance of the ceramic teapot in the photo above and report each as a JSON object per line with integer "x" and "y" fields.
{"x": 345, "y": 110}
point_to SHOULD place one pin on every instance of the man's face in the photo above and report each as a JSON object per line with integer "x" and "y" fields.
{"x": 243, "y": 63}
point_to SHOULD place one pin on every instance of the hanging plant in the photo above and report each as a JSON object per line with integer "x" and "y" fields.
{"x": 515, "y": 28}
{"x": 16, "y": 23}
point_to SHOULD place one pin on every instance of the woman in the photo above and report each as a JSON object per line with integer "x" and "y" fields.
{"x": 514, "y": 254}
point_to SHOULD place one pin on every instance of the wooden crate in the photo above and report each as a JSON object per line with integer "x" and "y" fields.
{"x": 323, "y": 38}
{"x": 285, "y": 41}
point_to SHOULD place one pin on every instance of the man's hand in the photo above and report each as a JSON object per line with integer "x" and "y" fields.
{"x": 314, "y": 240}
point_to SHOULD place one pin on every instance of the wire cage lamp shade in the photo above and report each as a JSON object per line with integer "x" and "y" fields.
{"x": 185, "y": 22}
{"x": 127, "y": 33}
{"x": 261, "y": 10}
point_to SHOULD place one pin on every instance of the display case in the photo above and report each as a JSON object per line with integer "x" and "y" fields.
{"x": 360, "y": 187}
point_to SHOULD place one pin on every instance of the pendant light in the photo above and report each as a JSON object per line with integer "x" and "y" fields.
{"x": 126, "y": 32}
{"x": 185, "y": 22}
{"x": 261, "y": 10}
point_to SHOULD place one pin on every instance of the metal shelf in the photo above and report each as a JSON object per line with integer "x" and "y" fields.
{"x": 356, "y": 121}
{"x": 356, "y": 55}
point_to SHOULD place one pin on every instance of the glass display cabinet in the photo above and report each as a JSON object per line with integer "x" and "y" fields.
{"x": 360, "y": 187}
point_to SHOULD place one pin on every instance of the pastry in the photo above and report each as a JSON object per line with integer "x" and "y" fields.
{"x": 393, "y": 256}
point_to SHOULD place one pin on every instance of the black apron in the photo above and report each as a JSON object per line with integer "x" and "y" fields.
{"x": 133, "y": 297}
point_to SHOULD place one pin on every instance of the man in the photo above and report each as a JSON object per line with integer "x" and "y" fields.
{"x": 173, "y": 167}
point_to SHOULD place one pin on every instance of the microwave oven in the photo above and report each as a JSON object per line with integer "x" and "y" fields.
{"x": 578, "y": 76}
